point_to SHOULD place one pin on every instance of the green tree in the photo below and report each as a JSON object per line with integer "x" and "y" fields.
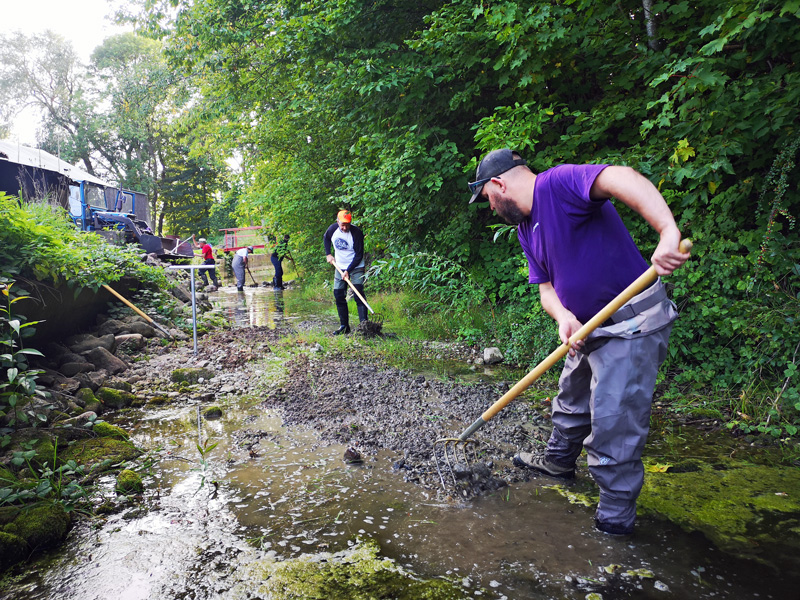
{"x": 383, "y": 107}
{"x": 43, "y": 71}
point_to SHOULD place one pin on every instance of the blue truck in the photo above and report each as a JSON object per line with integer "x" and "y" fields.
{"x": 118, "y": 214}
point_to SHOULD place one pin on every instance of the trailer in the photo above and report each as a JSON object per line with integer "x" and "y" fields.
{"x": 117, "y": 214}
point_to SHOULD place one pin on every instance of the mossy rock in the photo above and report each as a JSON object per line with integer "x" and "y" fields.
{"x": 752, "y": 511}
{"x": 12, "y": 549}
{"x": 158, "y": 401}
{"x": 359, "y": 573}
{"x": 118, "y": 384}
{"x": 44, "y": 448}
{"x": 97, "y": 450}
{"x": 104, "y": 429}
{"x": 42, "y": 526}
{"x": 212, "y": 412}
{"x": 191, "y": 375}
{"x": 86, "y": 395}
{"x": 129, "y": 482}
{"x": 96, "y": 407}
{"x": 115, "y": 398}
{"x": 58, "y": 417}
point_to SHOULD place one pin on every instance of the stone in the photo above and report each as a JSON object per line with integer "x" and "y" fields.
{"x": 142, "y": 329}
{"x": 492, "y": 356}
{"x": 191, "y": 375}
{"x": 81, "y": 344}
{"x": 212, "y": 412}
{"x": 129, "y": 482}
{"x": 115, "y": 398}
{"x": 70, "y": 357}
{"x": 67, "y": 385}
{"x": 182, "y": 293}
{"x": 116, "y": 383}
{"x": 178, "y": 335}
{"x": 54, "y": 350}
{"x": 92, "y": 380}
{"x": 85, "y": 396}
{"x": 101, "y": 358}
{"x": 71, "y": 369}
{"x": 48, "y": 378}
{"x": 81, "y": 420}
{"x": 112, "y": 326}
{"x": 130, "y": 341}
{"x": 104, "y": 429}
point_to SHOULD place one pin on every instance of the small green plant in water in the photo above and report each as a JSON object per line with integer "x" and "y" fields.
{"x": 204, "y": 467}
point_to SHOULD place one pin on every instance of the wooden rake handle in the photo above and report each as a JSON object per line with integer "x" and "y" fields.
{"x": 639, "y": 285}
{"x": 130, "y": 304}
{"x": 352, "y": 287}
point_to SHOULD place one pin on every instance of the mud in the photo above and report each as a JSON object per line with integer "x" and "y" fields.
{"x": 373, "y": 408}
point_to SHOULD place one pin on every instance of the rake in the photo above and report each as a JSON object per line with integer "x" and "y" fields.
{"x": 454, "y": 450}
{"x": 255, "y": 283}
{"x": 375, "y": 324}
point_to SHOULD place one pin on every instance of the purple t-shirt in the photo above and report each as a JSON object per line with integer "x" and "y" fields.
{"x": 579, "y": 244}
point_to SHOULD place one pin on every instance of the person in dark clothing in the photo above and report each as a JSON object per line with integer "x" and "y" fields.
{"x": 208, "y": 259}
{"x": 347, "y": 241}
{"x": 279, "y": 252}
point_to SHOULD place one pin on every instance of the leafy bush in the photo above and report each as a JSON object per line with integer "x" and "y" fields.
{"x": 445, "y": 284}
{"x": 40, "y": 243}
{"x": 18, "y": 383}
{"x": 528, "y": 335}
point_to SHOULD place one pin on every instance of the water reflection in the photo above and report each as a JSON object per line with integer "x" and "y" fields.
{"x": 252, "y": 307}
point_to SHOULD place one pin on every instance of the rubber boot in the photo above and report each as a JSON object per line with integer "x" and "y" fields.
{"x": 362, "y": 313}
{"x": 362, "y": 308}
{"x": 344, "y": 313}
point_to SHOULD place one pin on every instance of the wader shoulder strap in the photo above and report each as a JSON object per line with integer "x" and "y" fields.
{"x": 630, "y": 310}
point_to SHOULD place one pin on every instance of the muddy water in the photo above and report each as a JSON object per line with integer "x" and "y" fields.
{"x": 268, "y": 491}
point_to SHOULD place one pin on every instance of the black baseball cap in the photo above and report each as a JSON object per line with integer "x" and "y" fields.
{"x": 493, "y": 164}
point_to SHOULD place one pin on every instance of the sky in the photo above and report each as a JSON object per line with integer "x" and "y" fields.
{"x": 82, "y": 22}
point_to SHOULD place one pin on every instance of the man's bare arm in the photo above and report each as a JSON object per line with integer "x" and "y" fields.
{"x": 567, "y": 322}
{"x": 637, "y": 192}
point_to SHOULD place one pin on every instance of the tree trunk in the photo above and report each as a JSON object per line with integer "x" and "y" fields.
{"x": 650, "y": 24}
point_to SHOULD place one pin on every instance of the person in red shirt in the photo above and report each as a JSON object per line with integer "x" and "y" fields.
{"x": 208, "y": 259}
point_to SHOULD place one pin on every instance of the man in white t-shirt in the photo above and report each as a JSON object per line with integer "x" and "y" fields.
{"x": 239, "y": 264}
{"x": 347, "y": 241}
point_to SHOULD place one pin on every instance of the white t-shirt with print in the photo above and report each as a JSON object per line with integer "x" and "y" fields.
{"x": 343, "y": 244}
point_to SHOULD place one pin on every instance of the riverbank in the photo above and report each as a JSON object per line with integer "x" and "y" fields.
{"x": 362, "y": 412}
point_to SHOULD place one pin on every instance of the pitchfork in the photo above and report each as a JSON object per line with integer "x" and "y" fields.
{"x": 454, "y": 449}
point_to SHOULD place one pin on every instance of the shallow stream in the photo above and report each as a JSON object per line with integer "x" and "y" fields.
{"x": 268, "y": 492}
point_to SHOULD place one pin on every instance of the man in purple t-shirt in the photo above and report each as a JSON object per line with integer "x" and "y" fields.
{"x": 582, "y": 256}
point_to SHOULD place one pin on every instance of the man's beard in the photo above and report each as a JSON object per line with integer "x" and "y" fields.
{"x": 508, "y": 211}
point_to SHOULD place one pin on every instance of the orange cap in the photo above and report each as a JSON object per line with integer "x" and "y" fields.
{"x": 344, "y": 216}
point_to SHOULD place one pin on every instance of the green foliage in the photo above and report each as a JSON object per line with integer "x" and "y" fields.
{"x": 204, "y": 469}
{"x": 60, "y": 484}
{"x": 529, "y": 336}
{"x": 41, "y": 243}
{"x": 18, "y": 381}
{"x": 447, "y": 286}
{"x": 384, "y": 107}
